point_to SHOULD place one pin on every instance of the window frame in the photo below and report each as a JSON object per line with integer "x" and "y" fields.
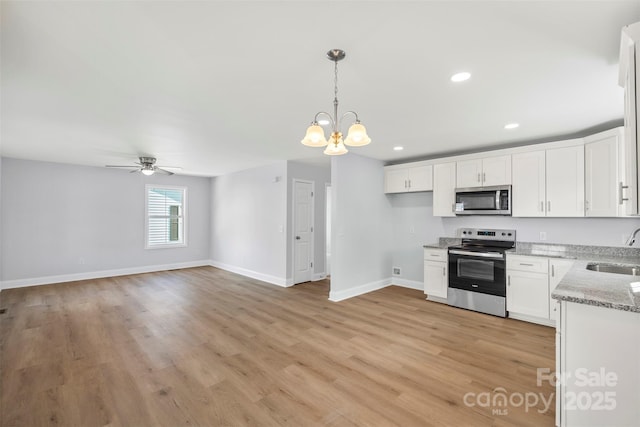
{"x": 182, "y": 244}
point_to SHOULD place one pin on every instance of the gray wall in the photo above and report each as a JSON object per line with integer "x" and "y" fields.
{"x": 321, "y": 176}
{"x": 362, "y": 248}
{"x": 414, "y": 225}
{"x": 576, "y": 231}
{"x": 64, "y": 219}
{"x": 249, "y": 222}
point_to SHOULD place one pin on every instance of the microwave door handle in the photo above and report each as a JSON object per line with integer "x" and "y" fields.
{"x": 497, "y": 199}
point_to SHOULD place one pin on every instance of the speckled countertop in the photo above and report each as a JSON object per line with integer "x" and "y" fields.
{"x": 584, "y": 286}
{"x": 444, "y": 243}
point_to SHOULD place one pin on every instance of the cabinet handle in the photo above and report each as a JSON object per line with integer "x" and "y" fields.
{"x": 527, "y": 265}
{"x": 620, "y": 196}
{"x": 508, "y": 280}
{"x": 541, "y": 206}
{"x": 553, "y": 271}
{"x": 434, "y": 255}
{"x": 405, "y": 183}
{"x": 409, "y": 183}
{"x": 586, "y": 205}
{"x": 548, "y": 205}
{"x": 444, "y": 273}
{"x": 478, "y": 177}
{"x": 484, "y": 176}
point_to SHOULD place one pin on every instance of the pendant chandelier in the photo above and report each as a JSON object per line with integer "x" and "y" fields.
{"x": 357, "y": 135}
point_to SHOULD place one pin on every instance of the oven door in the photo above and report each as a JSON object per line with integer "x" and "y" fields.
{"x": 482, "y": 272}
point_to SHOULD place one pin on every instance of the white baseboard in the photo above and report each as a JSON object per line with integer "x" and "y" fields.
{"x": 411, "y": 284}
{"x": 318, "y": 276}
{"x": 336, "y": 296}
{"x": 89, "y": 275}
{"x": 279, "y": 281}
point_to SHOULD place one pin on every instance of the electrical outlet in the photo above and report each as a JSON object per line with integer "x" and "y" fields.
{"x": 396, "y": 271}
{"x": 543, "y": 235}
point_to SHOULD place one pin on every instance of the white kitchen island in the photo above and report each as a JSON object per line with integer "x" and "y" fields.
{"x": 598, "y": 348}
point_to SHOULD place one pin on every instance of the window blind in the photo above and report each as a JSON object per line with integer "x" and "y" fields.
{"x": 165, "y": 216}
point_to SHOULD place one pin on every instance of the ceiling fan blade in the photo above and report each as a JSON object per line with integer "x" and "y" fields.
{"x": 135, "y": 170}
{"x": 157, "y": 169}
{"x": 120, "y": 166}
{"x": 170, "y": 167}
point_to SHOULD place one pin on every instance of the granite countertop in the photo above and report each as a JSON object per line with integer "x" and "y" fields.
{"x": 444, "y": 243}
{"x": 584, "y": 286}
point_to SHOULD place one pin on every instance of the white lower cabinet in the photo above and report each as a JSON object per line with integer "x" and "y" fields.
{"x": 599, "y": 366}
{"x": 436, "y": 277}
{"x": 557, "y": 270}
{"x": 528, "y": 294}
{"x": 530, "y": 282}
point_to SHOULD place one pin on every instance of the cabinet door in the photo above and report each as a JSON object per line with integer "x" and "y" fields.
{"x": 496, "y": 171}
{"x": 528, "y": 174}
{"x": 444, "y": 189}
{"x": 565, "y": 181}
{"x": 435, "y": 279}
{"x": 557, "y": 270}
{"x": 420, "y": 178}
{"x": 601, "y": 177}
{"x": 469, "y": 173}
{"x": 528, "y": 293}
{"x": 395, "y": 180}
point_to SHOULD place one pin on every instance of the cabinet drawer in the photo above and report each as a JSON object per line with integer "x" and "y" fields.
{"x": 527, "y": 263}
{"x": 435, "y": 254}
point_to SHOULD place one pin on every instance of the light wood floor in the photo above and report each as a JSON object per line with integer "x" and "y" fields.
{"x": 206, "y": 347}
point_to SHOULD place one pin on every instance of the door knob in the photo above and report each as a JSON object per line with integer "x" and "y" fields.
{"x": 297, "y": 237}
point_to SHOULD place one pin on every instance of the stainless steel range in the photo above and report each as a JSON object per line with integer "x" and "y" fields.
{"x": 477, "y": 270}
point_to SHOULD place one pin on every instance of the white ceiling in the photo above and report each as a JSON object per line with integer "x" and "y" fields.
{"x": 220, "y": 86}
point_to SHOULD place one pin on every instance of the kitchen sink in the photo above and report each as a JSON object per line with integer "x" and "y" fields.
{"x": 632, "y": 270}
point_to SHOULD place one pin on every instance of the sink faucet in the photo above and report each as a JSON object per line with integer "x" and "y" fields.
{"x": 632, "y": 238}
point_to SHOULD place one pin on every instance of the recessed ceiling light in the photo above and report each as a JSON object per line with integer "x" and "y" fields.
{"x": 323, "y": 122}
{"x": 398, "y": 148}
{"x": 511, "y": 125}
{"x": 460, "y": 77}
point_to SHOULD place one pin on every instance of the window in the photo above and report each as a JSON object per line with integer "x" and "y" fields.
{"x": 165, "y": 213}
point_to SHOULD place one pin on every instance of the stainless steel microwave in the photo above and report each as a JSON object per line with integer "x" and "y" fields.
{"x": 483, "y": 200}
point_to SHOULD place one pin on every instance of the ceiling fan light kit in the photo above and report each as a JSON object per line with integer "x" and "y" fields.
{"x": 357, "y": 134}
{"x": 147, "y": 166}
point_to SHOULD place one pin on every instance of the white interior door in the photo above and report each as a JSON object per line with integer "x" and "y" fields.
{"x": 302, "y": 231}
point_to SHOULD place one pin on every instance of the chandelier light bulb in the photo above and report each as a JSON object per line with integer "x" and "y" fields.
{"x": 314, "y": 136}
{"x": 357, "y": 136}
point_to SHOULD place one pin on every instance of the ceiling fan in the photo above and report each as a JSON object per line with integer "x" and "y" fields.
{"x": 147, "y": 166}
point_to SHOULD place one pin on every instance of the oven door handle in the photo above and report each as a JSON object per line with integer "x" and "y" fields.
{"x": 494, "y": 255}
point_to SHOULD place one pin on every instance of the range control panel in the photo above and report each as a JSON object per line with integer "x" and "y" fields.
{"x": 487, "y": 234}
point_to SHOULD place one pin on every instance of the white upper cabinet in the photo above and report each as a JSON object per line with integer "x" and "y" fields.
{"x": 444, "y": 189}
{"x": 549, "y": 182}
{"x": 565, "y": 181}
{"x": 421, "y": 178}
{"x": 405, "y": 178}
{"x": 484, "y": 172}
{"x": 628, "y": 78}
{"x": 528, "y": 197}
{"x": 604, "y": 174}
